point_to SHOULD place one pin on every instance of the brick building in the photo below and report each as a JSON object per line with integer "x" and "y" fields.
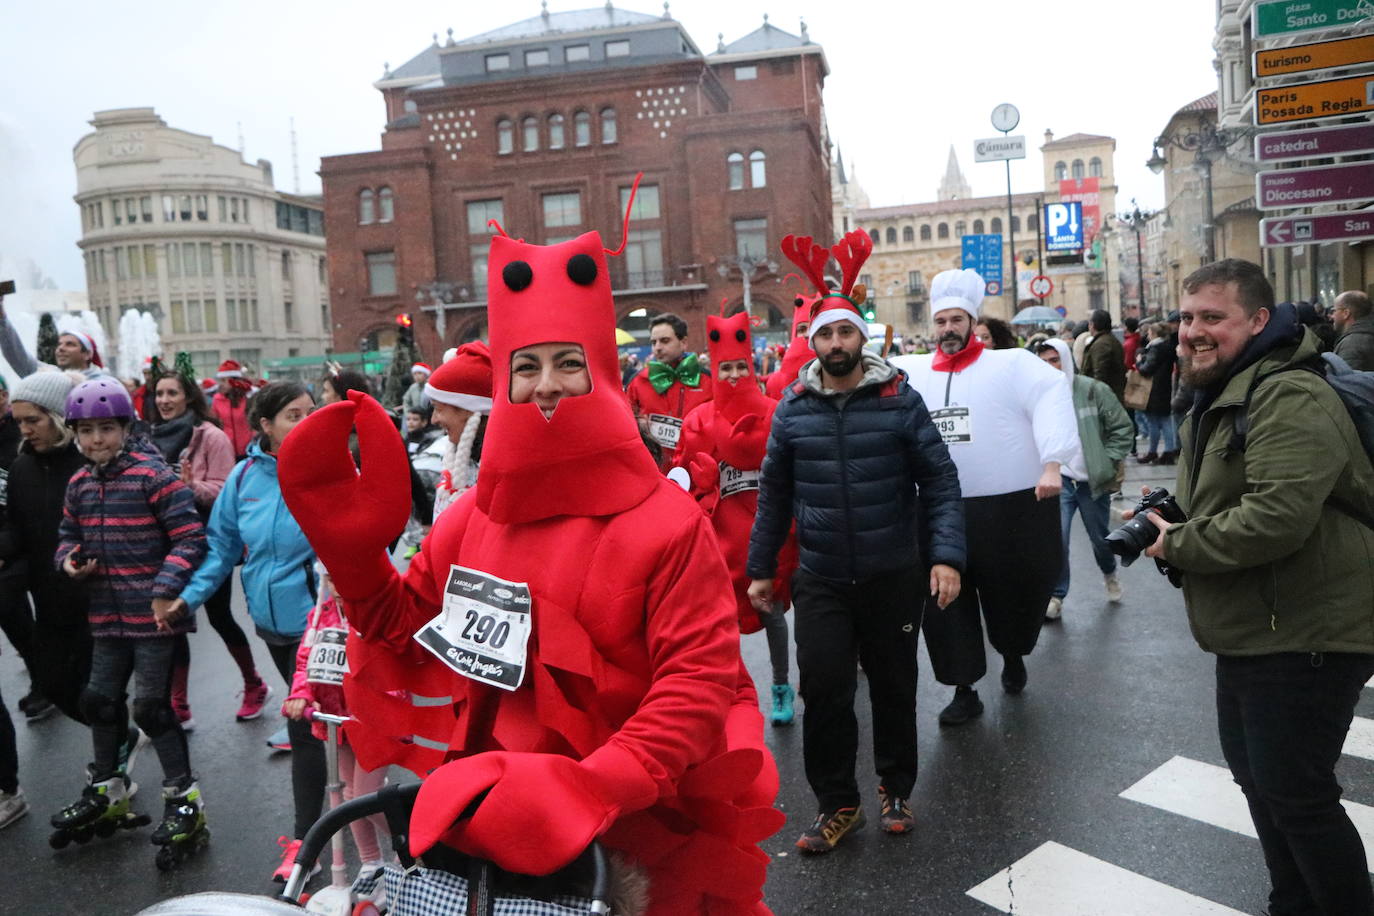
{"x": 542, "y": 126}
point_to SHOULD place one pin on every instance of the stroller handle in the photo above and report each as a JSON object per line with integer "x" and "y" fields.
{"x": 396, "y": 802}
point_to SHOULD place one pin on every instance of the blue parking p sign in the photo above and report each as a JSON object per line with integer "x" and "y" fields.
{"x": 983, "y": 253}
{"x": 1064, "y": 226}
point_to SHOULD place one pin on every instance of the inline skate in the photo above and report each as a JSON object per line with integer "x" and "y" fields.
{"x": 182, "y": 832}
{"x": 102, "y": 809}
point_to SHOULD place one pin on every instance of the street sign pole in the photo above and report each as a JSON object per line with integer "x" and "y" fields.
{"x": 1005, "y": 117}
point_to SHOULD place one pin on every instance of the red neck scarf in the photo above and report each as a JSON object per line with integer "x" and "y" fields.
{"x": 960, "y": 361}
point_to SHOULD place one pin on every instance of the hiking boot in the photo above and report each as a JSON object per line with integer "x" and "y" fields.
{"x": 962, "y": 708}
{"x": 1013, "y": 674}
{"x": 1113, "y": 585}
{"x": 896, "y": 813}
{"x": 782, "y": 704}
{"x": 829, "y": 829}
{"x": 1054, "y": 609}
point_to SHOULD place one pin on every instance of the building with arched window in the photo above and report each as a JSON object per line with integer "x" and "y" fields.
{"x": 938, "y": 226}
{"x": 180, "y": 227}
{"x": 577, "y": 102}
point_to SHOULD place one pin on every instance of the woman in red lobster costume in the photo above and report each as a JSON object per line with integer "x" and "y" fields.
{"x": 565, "y": 641}
{"x": 722, "y": 447}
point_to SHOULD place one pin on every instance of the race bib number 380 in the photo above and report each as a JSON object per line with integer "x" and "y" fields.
{"x": 483, "y": 630}
{"x": 954, "y": 424}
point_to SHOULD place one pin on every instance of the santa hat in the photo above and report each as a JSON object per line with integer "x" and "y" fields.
{"x": 229, "y": 369}
{"x": 207, "y": 385}
{"x": 87, "y": 344}
{"x": 465, "y": 380}
{"x": 957, "y": 289}
{"x": 421, "y": 367}
{"x": 147, "y": 364}
{"x": 833, "y": 305}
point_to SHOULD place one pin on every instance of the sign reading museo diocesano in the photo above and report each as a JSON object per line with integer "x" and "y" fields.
{"x": 1332, "y": 184}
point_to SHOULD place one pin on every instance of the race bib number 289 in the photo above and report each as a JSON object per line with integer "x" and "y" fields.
{"x": 483, "y": 630}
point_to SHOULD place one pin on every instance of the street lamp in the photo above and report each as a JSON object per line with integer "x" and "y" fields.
{"x": 439, "y": 293}
{"x": 747, "y": 264}
{"x": 1206, "y": 142}
{"x": 1136, "y": 220}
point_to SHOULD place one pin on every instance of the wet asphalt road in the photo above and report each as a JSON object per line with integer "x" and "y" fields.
{"x": 1114, "y": 693}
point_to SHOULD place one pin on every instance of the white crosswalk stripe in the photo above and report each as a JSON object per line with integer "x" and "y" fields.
{"x": 1207, "y": 793}
{"x": 1055, "y": 880}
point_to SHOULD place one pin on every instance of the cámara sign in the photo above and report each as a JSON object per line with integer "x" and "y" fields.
{"x": 999, "y": 148}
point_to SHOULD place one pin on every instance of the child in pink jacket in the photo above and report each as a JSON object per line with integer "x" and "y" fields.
{"x": 320, "y": 668}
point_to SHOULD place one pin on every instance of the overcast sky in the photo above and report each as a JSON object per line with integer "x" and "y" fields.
{"x": 907, "y": 81}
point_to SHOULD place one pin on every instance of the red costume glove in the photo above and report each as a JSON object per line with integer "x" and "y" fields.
{"x": 348, "y": 517}
{"x": 746, "y": 442}
{"x": 572, "y": 802}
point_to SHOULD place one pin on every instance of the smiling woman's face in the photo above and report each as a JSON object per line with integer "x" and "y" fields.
{"x": 546, "y": 373}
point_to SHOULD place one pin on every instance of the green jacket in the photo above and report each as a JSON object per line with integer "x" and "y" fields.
{"x": 1104, "y": 430}
{"x": 1269, "y": 564}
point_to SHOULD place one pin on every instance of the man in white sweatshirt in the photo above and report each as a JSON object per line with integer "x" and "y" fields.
{"x": 1008, "y": 421}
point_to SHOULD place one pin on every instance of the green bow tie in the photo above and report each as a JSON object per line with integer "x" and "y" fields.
{"x": 662, "y": 375}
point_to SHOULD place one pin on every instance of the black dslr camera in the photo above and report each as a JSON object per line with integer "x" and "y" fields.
{"x": 1128, "y": 541}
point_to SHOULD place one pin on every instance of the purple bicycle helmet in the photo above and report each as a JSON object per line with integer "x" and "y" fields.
{"x": 99, "y": 399}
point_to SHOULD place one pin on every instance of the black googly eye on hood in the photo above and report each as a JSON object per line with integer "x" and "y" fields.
{"x": 715, "y": 336}
{"x": 517, "y": 275}
{"x": 582, "y": 269}
{"x": 740, "y": 335}
{"x": 798, "y": 301}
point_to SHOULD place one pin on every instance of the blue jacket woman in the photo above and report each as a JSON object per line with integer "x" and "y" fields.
{"x": 251, "y": 521}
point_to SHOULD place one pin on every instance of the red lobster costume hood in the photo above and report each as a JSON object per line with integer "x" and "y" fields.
{"x": 628, "y": 714}
{"x": 723, "y": 445}
{"x": 799, "y": 351}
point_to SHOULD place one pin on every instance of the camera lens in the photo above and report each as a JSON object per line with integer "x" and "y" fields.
{"x": 1130, "y": 539}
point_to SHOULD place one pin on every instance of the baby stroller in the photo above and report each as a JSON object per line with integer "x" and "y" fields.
{"x": 444, "y": 883}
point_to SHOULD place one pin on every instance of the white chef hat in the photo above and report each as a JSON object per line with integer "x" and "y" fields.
{"x": 957, "y": 289}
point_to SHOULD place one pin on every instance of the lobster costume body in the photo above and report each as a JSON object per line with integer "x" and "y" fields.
{"x": 632, "y": 718}
{"x": 799, "y": 351}
{"x": 722, "y": 447}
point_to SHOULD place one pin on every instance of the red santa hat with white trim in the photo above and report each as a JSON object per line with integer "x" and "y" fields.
{"x": 421, "y": 367}
{"x": 88, "y": 344}
{"x": 229, "y": 369}
{"x": 465, "y": 380}
{"x": 833, "y": 305}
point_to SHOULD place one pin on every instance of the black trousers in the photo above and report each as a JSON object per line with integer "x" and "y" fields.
{"x": 1015, "y": 555}
{"x": 62, "y": 665}
{"x": 9, "y": 757}
{"x": 877, "y": 623}
{"x": 16, "y": 618}
{"x": 1282, "y": 720}
{"x": 308, "y": 774}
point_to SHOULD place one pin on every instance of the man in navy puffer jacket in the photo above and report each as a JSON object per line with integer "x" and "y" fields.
{"x": 854, "y": 458}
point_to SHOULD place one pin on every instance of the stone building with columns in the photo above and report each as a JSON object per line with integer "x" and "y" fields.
{"x": 913, "y": 242}
{"x": 181, "y": 227}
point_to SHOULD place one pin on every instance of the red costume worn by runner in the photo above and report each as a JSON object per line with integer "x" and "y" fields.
{"x": 723, "y": 444}
{"x": 660, "y": 409}
{"x": 634, "y": 718}
{"x": 799, "y": 351}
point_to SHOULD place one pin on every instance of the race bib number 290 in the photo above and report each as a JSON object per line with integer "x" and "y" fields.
{"x": 483, "y": 630}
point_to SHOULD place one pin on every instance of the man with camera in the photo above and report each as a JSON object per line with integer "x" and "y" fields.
{"x": 1275, "y": 558}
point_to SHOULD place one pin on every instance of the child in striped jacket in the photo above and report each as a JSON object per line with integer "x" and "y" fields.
{"x": 131, "y": 530}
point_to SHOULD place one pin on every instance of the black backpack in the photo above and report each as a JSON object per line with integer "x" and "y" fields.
{"x": 1356, "y": 391}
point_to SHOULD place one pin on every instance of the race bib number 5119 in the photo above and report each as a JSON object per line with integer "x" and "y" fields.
{"x": 483, "y": 630}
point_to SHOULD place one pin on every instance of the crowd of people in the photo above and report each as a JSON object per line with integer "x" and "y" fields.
{"x": 528, "y": 581}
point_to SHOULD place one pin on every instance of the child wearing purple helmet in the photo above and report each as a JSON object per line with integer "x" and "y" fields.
{"x": 130, "y": 530}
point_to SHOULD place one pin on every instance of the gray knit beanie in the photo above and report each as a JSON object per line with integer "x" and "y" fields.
{"x": 46, "y": 389}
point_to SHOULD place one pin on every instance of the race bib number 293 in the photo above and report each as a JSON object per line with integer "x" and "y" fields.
{"x": 483, "y": 630}
{"x": 954, "y": 423}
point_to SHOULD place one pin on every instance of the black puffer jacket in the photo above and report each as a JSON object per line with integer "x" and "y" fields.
{"x": 859, "y": 474}
{"x": 38, "y": 486}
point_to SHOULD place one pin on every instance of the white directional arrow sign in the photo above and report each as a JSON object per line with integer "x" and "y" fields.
{"x": 1350, "y": 226}
{"x": 1278, "y": 234}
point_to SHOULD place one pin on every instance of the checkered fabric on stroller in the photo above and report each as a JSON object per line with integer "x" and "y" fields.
{"x": 432, "y": 892}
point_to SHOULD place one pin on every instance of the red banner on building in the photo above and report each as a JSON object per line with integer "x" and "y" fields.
{"x": 1084, "y": 190}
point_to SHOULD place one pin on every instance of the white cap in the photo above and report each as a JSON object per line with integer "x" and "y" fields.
{"x": 957, "y": 289}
